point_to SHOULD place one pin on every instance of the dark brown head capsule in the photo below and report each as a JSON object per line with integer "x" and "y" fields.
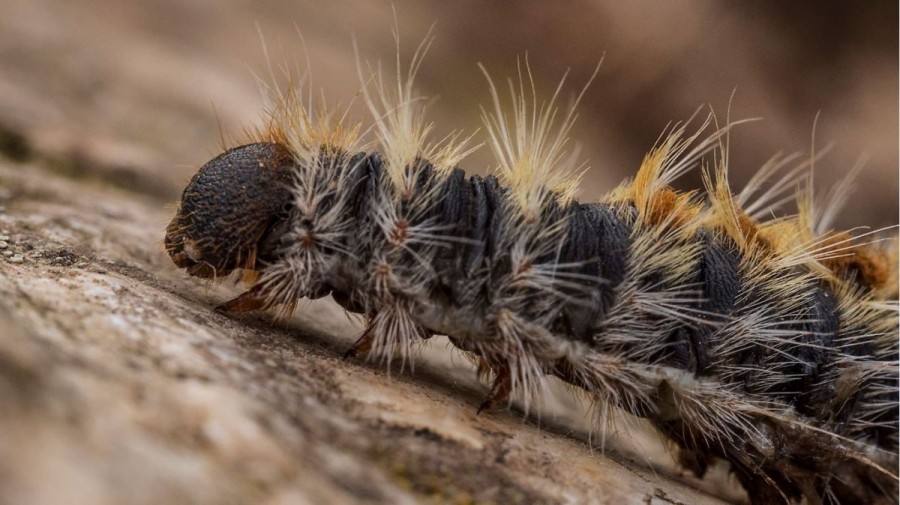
{"x": 229, "y": 210}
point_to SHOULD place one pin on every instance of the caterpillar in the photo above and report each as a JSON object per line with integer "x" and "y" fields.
{"x": 771, "y": 342}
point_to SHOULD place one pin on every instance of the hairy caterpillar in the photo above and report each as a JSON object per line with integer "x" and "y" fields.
{"x": 770, "y": 343}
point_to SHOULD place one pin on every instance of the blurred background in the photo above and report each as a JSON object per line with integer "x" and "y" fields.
{"x": 129, "y": 92}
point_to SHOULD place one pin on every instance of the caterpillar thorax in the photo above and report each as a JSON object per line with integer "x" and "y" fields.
{"x": 767, "y": 343}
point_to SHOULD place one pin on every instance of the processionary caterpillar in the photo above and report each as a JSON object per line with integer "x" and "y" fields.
{"x": 770, "y": 342}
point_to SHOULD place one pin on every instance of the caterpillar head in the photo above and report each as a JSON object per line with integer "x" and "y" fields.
{"x": 232, "y": 211}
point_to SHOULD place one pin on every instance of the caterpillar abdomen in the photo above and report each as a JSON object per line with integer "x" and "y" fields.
{"x": 767, "y": 343}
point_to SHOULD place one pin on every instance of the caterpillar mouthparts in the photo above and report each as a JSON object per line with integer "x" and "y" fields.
{"x": 772, "y": 344}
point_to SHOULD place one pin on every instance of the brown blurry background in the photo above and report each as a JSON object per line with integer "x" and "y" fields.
{"x": 129, "y": 91}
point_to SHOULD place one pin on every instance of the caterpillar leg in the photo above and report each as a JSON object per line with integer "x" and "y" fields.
{"x": 391, "y": 333}
{"x": 246, "y": 302}
{"x": 694, "y": 461}
{"x": 501, "y": 385}
{"x": 363, "y": 344}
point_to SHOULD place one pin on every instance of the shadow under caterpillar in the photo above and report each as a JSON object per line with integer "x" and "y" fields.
{"x": 770, "y": 343}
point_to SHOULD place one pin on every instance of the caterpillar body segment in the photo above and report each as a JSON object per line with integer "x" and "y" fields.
{"x": 772, "y": 344}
